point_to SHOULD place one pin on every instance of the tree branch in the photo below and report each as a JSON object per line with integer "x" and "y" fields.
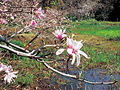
{"x": 17, "y": 32}
{"x": 61, "y": 73}
{"x": 75, "y": 77}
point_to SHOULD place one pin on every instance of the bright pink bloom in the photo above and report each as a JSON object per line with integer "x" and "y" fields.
{"x": 59, "y": 34}
{"x": 73, "y": 49}
{"x": 33, "y": 23}
{"x": 39, "y": 13}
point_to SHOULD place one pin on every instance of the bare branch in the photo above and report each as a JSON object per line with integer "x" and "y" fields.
{"x": 75, "y": 77}
{"x": 59, "y": 72}
{"x": 13, "y": 45}
{"x": 28, "y": 45}
{"x": 17, "y": 32}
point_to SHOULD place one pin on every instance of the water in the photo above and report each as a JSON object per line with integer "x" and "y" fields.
{"x": 93, "y": 75}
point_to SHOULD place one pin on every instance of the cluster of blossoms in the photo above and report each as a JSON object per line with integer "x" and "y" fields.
{"x": 73, "y": 47}
{"x": 8, "y": 77}
{"x": 49, "y": 18}
{"x": 39, "y": 13}
{"x": 5, "y": 15}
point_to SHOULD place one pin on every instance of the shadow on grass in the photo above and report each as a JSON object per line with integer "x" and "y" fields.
{"x": 114, "y": 39}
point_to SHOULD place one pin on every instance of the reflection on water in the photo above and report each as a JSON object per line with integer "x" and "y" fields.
{"x": 93, "y": 75}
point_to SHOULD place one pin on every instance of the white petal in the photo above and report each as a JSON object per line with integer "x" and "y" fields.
{"x": 64, "y": 30}
{"x": 15, "y": 72}
{"x": 69, "y": 51}
{"x": 84, "y": 54}
{"x": 64, "y": 35}
{"x": 69, "y": 42}
{"x": 78, "y": 59}
{"x": 80, "y": 41}
{"x": 55, "y": 34}
{"x": 59, "y": 51}
{"x": 77, "y": 45}
{"x": 60, "y": 30}
{"x": 73, "y": 60}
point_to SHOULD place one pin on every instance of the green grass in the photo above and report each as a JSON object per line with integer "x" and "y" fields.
{"x": 101, "y": 29}
{"x": 100, "y": 58}
{"x": 29, "y": 70}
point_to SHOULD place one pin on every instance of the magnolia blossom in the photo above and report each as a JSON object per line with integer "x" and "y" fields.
{"x": 5, "y": 8}
{"x": 8, "y": 69}
{"x": 73, "y": 47}
{"x": 9, "y": 76}
{"x": 2, "y": 67}
{"x": 59, "y": 34}
{"x": 39, "y": 13}
{"x": 3, "y": 21}
{"x": 33, "y": 23}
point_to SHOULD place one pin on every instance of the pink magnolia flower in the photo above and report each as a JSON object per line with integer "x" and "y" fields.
{"x": 8, "y": 69}
{"x": 33, "y": 23}
{"x": 2, "y": 67}
{"x": 39, "y": 13}
{"x": 73, "y": 47}
{"x": 9, "y": 76}
{"x": 59, "y": 34}
{"x": 5, "y": 8}
{"x": 3, "y": 21}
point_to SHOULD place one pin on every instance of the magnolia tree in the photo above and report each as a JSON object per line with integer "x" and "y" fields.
{"x": 42, "y": 20}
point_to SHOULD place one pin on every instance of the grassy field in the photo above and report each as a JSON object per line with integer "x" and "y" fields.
{"x": 102, "y": 45}
{"x": 102, "y": 42}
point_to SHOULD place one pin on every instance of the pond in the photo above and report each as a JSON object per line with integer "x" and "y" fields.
{"x": 93, "y": 75}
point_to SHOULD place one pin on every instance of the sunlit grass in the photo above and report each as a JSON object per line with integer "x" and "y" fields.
{"x": 100, "y": 57}
{"x": 97, "y": 28}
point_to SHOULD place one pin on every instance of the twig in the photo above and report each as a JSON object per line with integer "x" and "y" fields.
{"x": 75, "y": 77}
{"x": 68, "y": 61}
{"x": 50, "y": 61}
{"x": 17, "y": 32}
{"x": 13, "y": 45}
{"x": 29, "y": 44}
